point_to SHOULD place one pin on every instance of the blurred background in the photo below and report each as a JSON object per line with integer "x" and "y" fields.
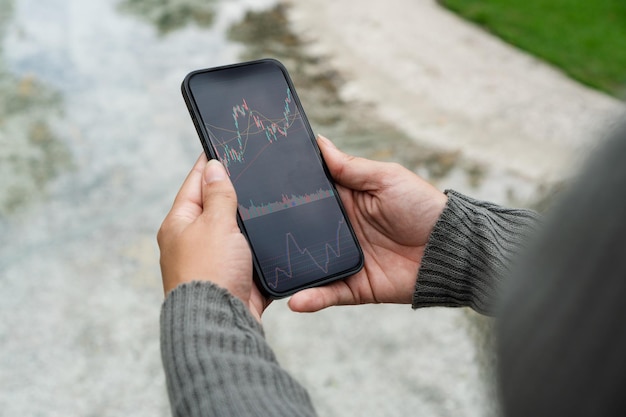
{"x": 95, "y": 141}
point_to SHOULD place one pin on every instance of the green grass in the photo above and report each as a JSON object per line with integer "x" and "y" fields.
{"x": 585, "y": 38}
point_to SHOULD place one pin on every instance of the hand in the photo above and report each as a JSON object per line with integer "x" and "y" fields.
{"x": 200, "y": 239}
{"x": 393, "y": 212}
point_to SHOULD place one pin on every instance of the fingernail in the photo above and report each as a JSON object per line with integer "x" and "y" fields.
{"x": 326, "y": 141}
{"x": 214, "y": 171}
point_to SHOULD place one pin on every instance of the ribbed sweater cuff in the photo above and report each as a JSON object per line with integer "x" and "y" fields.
{"x": 469, "y": 253}
{"x": 216, "y": 359}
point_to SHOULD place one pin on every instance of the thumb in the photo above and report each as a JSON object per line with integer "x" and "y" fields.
{"x": 219, "y": 199}
{"x": 316, "y": 299}
{"x": 350, "y": 171}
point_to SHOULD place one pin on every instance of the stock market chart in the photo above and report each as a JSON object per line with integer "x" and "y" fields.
{"x": 288, "y": 207}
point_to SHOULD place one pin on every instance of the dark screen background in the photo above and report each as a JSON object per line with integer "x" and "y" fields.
{"x": 286, "y": 165}
{"x": 289, "y": 210}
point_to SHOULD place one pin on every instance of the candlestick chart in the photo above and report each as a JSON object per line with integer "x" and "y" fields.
{"x": 252, "y": 134}
{"x": 264, "y": 146}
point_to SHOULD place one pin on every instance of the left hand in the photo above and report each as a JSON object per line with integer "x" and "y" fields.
{"x": 200, "y": 239}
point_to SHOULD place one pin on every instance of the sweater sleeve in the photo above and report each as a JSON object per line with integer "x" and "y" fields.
{"x": 217, "y": 362}
{"x": 469, "y": 253}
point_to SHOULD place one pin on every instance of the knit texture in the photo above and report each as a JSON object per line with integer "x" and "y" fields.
{"x": 469, "y": 253}
{"x": 217, "y": 362}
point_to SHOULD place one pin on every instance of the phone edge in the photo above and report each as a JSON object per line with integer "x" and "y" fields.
{"x": 195, "y": 115}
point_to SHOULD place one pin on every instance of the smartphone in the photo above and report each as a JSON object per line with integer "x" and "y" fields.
{"x": 248, "y": 116}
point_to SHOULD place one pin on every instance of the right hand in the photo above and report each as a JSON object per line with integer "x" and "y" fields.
{"x": 393, "y": 212}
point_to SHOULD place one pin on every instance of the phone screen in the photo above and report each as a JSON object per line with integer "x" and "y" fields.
{"x": 288, "y": 207}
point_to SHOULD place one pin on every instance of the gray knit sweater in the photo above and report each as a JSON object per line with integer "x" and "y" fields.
{"x": 217, "y": 361}
{"x": 470, "y": 252}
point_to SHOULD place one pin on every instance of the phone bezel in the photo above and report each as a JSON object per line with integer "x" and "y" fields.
{"x": 209, "y": 150}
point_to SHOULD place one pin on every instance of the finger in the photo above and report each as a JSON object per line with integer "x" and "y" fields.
{"x": 188, "y": 202}
{"x": 316, "y": 299}
{"x": 351, "y": 171}
{"x": 219, "y": 199}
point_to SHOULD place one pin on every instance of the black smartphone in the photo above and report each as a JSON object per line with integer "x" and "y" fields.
{"x": 249, "y": 117}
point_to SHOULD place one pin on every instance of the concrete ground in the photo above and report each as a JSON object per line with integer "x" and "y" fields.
{"x": 448, "y": 83}
{"x": 79, "y": 272}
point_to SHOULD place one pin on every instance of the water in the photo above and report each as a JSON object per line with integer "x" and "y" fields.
{"x": 95, "y": 141}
